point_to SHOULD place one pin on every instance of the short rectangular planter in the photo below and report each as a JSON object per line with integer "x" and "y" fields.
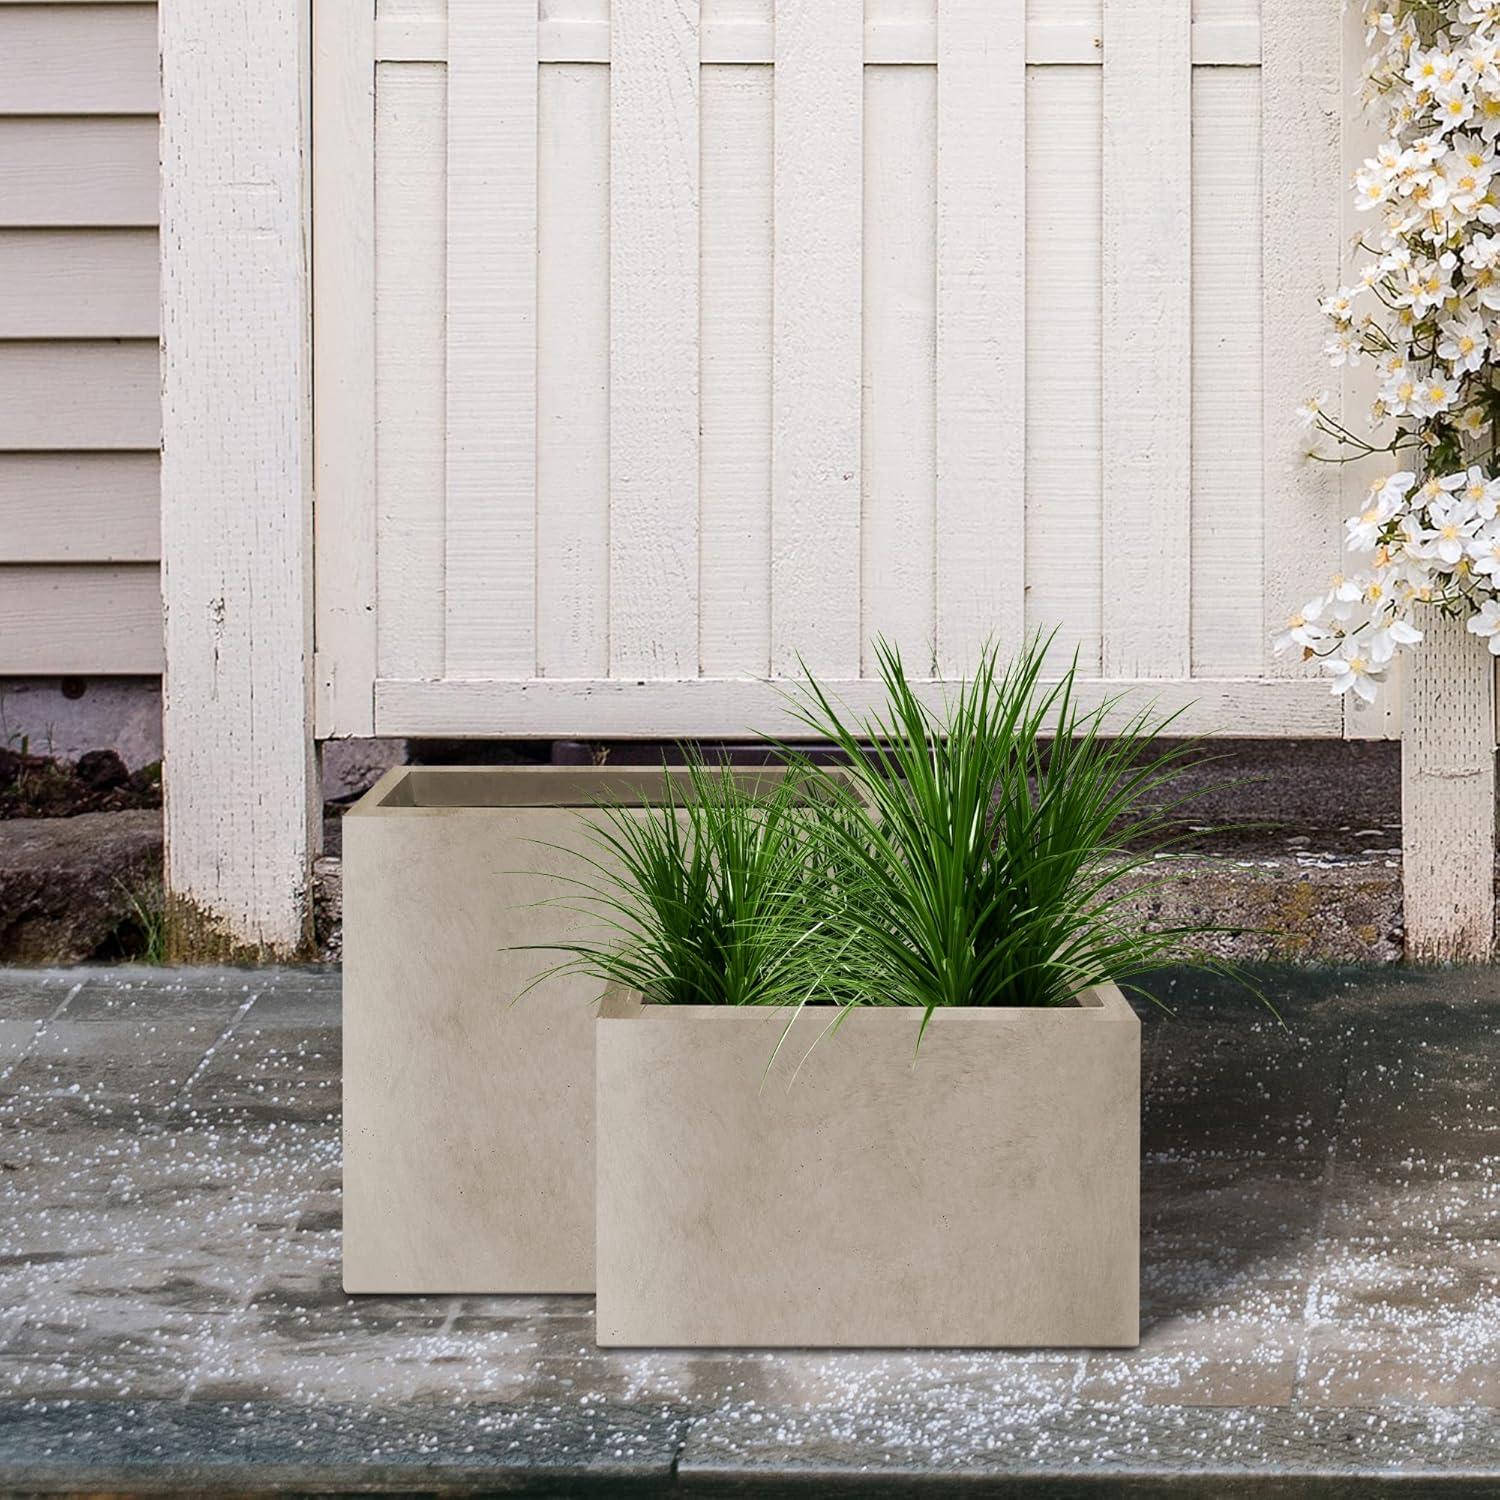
{"x": 988, "y": 1196}
{"x": 469, "y": 1115}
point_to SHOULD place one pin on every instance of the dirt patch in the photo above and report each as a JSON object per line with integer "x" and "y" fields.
{"x": 45, "y": 786}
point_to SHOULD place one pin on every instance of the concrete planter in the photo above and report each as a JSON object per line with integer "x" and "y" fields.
{"x": 469, "y": 1119}
{"x": 987, "y": 1197}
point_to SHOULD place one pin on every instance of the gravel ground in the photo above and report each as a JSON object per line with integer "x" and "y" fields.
{"x": 1321, "y": 1280}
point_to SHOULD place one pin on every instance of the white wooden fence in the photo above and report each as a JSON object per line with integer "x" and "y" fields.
{"x": 654, "y": 346}
{"x": 662, "y": 348}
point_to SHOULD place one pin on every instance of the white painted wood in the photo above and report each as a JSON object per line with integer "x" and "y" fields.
{"x": 77, "y": 172}
{"x": 1302, "y": 187}
{"x": 816, "y": 397}
{"x": 1227, "y": 615}
{"x": 1064, "y": 459}
{"x": 344, "y": 367}
{"x": 654, "y": 328}
{"x": 78, "y": 283}
{"x": 1147, "y": 337}
{"x": 1448, "y": 797}
{"x": 242, "y": 799}
{"x": 408, "y": 39}
{"x": 81, "y": 394}
{"x": 710, "y": 707}
{"x": 872, "y": 278}
{"x": 899, "y": 459}
{"x": 491, "y": 402}
{"x": 79, "y": 620}
{"x": 79, "y": 507}
{"x": 572, "y": 459}
{"x": 981, "y": 329}
{"x": 410, "y": 366}
{"x": 78, "y": 60}
{"x": 1355, "y": 389}
{"x": 1049, "y": 43}
{"x": 735, "y": 549}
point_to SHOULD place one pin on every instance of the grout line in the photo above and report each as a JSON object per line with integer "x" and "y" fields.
{"x": 181, "y": 1100}
{"x": 1320, "y": 1239}
{"x": 37, "y": 1031}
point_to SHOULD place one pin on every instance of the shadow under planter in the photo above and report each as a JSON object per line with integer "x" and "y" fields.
{"x": 469, "y": 1112}
{"x": 986, "y": 1195}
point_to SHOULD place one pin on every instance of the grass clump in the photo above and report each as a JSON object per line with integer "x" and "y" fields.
{"x": 995, "y": 863}
{"x": 979, "y": 849}
{"x": 705, "y": 897}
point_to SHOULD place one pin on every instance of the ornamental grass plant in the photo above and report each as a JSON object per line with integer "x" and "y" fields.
{"x": 707, "y": 897}
{"x": 980, "y": 848}
{"x": 990, "y": 851}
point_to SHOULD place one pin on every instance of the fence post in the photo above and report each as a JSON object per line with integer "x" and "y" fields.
{"x": 241, "y": 789}
{"x": 1448, "y": 796}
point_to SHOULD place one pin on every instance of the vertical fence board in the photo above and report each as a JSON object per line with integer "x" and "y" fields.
{"x": 1064, "y": 580}
{"x": 410, "y": 282}
{"x": 1147, "y": 336}
{"x": 653, "y": 341}
{"x": 572, "y": 461}
{"x": 735, "y": 636}
{"x": 1303, "y": 187}
{"x": 981, "y": 328}
{"x": 1226, "y": 437}
{"x": 897, "y": 533}
{"x": 491, "y": 353}
{"x": 815, "y": 585}
{"x": 344, "y": 373}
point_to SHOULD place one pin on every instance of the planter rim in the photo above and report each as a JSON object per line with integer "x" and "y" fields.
{"x": 1096, "y": 1005}
{"x": 428, "y": 791}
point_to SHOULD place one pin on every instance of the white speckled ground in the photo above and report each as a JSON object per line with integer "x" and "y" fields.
{"x": 1321, "y": 1267}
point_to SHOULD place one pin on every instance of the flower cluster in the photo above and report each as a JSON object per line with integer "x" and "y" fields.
{"x": 1426, "y": 309}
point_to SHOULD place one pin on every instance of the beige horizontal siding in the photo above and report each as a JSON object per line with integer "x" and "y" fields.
{"x": 80, "y": 403}
{"x": 77, "y": 172}
{"x": 79, "y": 620}
{"x": 78, "y": 283}
{"x": 80, "y": 395}
{"x": 79, "y": 60}
{"x": 79, "y": 507}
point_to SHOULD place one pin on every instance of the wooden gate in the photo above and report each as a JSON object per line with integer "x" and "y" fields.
{"x": 662, "y": 346}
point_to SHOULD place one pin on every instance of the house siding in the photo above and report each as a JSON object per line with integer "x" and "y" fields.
{"x": 79, "y": 370}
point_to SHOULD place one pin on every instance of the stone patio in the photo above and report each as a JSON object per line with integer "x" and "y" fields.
{"x": 1321, "y": 1280}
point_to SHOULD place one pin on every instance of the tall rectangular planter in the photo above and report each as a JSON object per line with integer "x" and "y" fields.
{"x": 469, "y": 1113}
{"x": 986, "y": 1196}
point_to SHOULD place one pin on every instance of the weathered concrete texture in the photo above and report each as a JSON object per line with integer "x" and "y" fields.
{"x": 68, "y": 886}
{"x": 1321, "y": 1271}
{"x": 1305, "y": 907}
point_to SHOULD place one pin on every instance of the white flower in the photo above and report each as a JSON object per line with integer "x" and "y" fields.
{"x": 1340, "y": 306}
{"x": 1383, "y": 640}
{"x": 1343, "y": 349}
{"x": 1479, "y": 491}
{"x": 1484, "y": 552}
{"x": 1452, "y": 525}
{"x": 1386, "y": 498}
{"x": 1487, "y": 625}
{"x": 1464, "y": 344}
{"x": 1353, "y": 670}
{"x": 1302, "y": 630}
{"x": 1311, "y": 409}
{"x": 1433, "y": 397}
